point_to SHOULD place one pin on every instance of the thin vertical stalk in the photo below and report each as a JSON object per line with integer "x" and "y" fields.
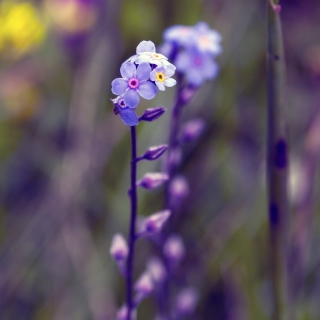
{"x": 132, "y": 234}
{"x": 277, "y": 164}
{"x": 173, "y": 134}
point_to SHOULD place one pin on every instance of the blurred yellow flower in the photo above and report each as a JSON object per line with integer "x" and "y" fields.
{"x": 21, "y": 27}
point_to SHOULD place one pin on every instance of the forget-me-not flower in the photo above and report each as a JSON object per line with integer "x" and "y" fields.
{"x": 134, "y": 83}
{"x": 161, "y": 76}
{"x": 196, "y": 66}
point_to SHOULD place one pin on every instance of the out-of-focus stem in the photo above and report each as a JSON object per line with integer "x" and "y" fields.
{"x": 132, "y": 234}
{"x": 277, "y": 165}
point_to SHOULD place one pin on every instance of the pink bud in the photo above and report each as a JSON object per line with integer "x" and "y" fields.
{"x": 119, "y": 249}
{"x": 143, "y": 286}
{"x": 155, "y": 152}
{"x": 155, "y": 222}
{"x": 152, "y": 180}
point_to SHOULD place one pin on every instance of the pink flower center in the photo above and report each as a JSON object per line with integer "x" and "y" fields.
{"x": 197, "y": 61}
{"x": 133, "y": 83}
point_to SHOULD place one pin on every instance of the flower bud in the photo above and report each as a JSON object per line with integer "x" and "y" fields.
{"x": 187, "y": 301}
{"x": 178, "y": 190}
{"x": 155, "y": 222}
{"x": 143, "y": 286}
{"x": 152, "y": 180}
{"x": 192, "y": 130}
{"x": 174, "y": 249}
{"x": 152, "y": 114}
{"x": 119, "y": 249}
{"x": 123, "y": 313}
{"x": 156, "y": 270}
{"x": 155, "y": 152}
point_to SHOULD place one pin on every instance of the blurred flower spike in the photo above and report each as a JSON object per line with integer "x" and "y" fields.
{"x": 72, "y": 16}
{"x": 21, "y": 27}
{"x": 193, "y": 50}
{"x": 142, "y": 75}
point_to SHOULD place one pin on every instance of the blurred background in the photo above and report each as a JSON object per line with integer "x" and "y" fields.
{"x": 64, "y": 158}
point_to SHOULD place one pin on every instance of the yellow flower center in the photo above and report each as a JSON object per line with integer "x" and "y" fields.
{"x": 160, "y": 76}
{"x": 156, "y": 56}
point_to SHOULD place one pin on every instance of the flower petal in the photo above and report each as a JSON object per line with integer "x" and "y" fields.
{"x": 128, "y": 70}
{"x": 147, "y": 90}
{"x": 119, "y": 86}
{"x": 129, "y": 117}
{"x": 146, "y": 46}
{"x": 169, "y": 82}
{"x": 153, "y": 75}
{"x": 169, "y": 71}
{"x": 131, "y": 98}
{"x": 160, "y": 86}
{"x": 143, "y": 71}
{"x": 183, "y": 61}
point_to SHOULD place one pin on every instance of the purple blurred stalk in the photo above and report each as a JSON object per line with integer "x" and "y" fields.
{"x": 132, "y": 235}
{"x": 277, "y": 164}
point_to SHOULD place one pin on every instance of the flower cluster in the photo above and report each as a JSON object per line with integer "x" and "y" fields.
{"x": 142, "y": 76}
{"x": 193, "y": 50}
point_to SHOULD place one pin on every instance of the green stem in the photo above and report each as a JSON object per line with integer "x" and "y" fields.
{"x": 277, "y": 165}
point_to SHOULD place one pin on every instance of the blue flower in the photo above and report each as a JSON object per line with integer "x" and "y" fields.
{"x": 127, "y": 115}
{"x": 196, "y": 66}
{"x": 161, "y": 76}
{"x": 181, "y": 35}
{"x": 134, "y": 83}
{"x": 207, "y": 40}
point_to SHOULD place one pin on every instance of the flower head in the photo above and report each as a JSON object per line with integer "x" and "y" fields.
{"x": 161, "y": 76}
{"x": 197, "y": 66}
{"x": 134, "y": 83}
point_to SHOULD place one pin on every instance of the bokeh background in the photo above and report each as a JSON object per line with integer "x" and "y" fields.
{"x": 64, "y": 157}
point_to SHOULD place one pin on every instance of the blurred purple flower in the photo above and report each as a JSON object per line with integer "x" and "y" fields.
{"x": 174, "y": 249}
{"x": 186, "y": 301}
{"x": 134, "y": 83}
{"x": 127, "y": 115}
{"x": 161, "y": 76}
{"x": 178, "y": 190}
{"x": 156, "y": 270}
{"x": 192, "y": 130}
{"x": 207, "y": 40}
{"x": 197, "y": 66}
{"x": 181, "y": 35}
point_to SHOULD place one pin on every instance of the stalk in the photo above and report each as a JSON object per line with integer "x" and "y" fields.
{"x": 277, "y": 164}
{"x": 132, "y": 235}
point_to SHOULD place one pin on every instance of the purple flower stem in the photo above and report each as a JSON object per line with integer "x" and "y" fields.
{"x": 132, "y": 235}
{"x": 174, "y": 127}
